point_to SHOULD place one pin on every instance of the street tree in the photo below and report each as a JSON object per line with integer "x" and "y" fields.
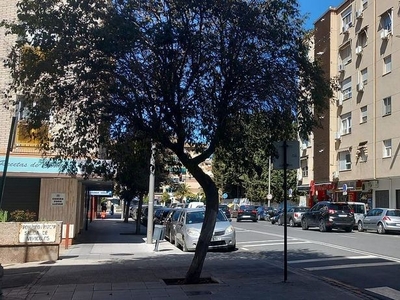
{"x": 177, "y": 70}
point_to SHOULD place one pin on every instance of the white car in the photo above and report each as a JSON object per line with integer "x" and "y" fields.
{"x": 188, "y": 227}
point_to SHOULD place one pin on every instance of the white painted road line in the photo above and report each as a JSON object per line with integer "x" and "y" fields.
{"x": 386, "y": 291}
{"x": 301, "y": 261}
{"x": 347, "y": 266}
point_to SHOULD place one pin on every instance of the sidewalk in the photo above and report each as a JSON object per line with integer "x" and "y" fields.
{"x": 110, "y": 262}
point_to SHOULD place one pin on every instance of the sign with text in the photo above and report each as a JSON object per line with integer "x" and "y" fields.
{"x": 57, "y": 199}
{"x": 37, "y": 233}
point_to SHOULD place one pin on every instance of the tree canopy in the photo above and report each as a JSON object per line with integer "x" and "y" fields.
{"x": 179, "y": 71}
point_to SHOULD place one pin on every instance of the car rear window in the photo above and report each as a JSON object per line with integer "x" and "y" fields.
{"x": 393, "y": 213}
{"x": 301, "y": 209}
{"x": 247, "y": 207}
{"x": 340, "y": 207}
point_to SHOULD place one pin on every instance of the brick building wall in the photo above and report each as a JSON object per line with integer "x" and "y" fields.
{"x": 8, "y": 10}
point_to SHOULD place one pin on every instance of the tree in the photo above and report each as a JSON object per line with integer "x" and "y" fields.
{"x": 179, "y": 71}
{"x": 245, "y": 167}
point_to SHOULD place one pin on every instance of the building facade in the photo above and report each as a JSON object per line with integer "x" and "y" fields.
{"x": 29, "y": 185}
{"x": 356, "y": 152}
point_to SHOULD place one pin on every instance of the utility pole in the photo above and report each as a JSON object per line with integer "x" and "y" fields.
{"x": 151, "y": 195}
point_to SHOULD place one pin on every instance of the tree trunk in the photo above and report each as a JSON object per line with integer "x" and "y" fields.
{"x": 126, "y": 210}
{"x": 212, "y": 204}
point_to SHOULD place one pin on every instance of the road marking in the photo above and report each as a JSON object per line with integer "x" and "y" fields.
{"x": 329, "y": 259}
{"x": 394, "y": 259}
{"x": 351, "y": 266}
{"x": 275, "y": 244}
{"x": 386, "y": 291}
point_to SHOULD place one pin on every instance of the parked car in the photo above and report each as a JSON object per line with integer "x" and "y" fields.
{"x": 225, "y": 209}
{"x": 360, "y": 210}
{"x": 145, "y": 212}
{"x": 170, "y": 223}
{"x": 247, "y": 212}
{"x": 293, "y": 216}
{"x": 160, "y": 214}
{"x": 327, "y": 215}
{"x": 381, "y": 219}
{"x": 189, "y": 225}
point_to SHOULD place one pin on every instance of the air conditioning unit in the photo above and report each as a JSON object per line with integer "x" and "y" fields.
{"x": 360, "y": 87}
{"x": 337, "y": 136}
{"x": 366, "y": 186}
{"x": 359, "y": 50}
{"x": 335, "y": 175}
{"x": 339, "y": 101}
{"x": 341, "y": 68}
{"x": 359, "y": 14}
{"x": 384, "y": 34}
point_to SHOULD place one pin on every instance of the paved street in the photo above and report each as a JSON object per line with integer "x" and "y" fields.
{"x": 359, "y": 259}
{"x": 110, "y": 262}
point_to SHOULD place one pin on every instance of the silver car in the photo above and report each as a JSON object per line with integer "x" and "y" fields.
{"x": 188, "y": 227}
{"x": 381, "y": 220}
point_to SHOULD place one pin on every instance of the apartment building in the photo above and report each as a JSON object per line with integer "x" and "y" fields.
{"x": 356, "y": 152}
{"x": 29, "y": 185}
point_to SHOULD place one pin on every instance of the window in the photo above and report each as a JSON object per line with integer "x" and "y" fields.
{"x": 345, "y": 124}
{"x": 346, "y": 19}
{"x": 387, "y": 64}
{"x": 304, "y": 171}
{"x": 346, "y": 89}
{"x": 364, "y": 4}
{"x": 386, "y": 20}
{"x": 362, "y": 38}
{"x": 363, "y": 114}
{"x": 344, "y": 161}
{"x": 387, "y": 148}
{"x": 387, "y": 106}
{"x": 345, "y": 54}
{"x": 363, "y": 76}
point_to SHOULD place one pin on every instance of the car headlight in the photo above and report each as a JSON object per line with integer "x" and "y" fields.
{"x": 193, "y": 232}
{"x": 229, "y": 230}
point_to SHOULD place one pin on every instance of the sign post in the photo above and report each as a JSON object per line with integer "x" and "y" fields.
{"x": 288, "y": 158}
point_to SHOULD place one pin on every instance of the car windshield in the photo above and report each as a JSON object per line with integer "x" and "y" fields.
{"x": 393, "y": 213}
{"x": 198, "y": 217}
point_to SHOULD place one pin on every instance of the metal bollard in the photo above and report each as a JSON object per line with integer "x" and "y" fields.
{"x": 158, "y": 234}
{"x": 1, "y": 279}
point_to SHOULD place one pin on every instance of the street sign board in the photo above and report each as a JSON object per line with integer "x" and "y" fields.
{"x": 292, "y": 155}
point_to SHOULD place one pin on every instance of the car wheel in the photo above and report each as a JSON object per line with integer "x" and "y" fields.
{"x": 322, "y": 225}
{"x": 380, "y": 229}
{"x": 360, "y": 226}
{"x": 232, "y": 248}
{"x": 304, "y": 224}
{"x": 291, "y": 223}
{"x": 272, "y": 221}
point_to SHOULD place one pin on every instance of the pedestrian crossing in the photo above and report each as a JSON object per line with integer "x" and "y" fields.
{"x": 359, "y": 259}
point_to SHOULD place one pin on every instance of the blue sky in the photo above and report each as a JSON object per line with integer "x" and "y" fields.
{"x": 315, "y": 8}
